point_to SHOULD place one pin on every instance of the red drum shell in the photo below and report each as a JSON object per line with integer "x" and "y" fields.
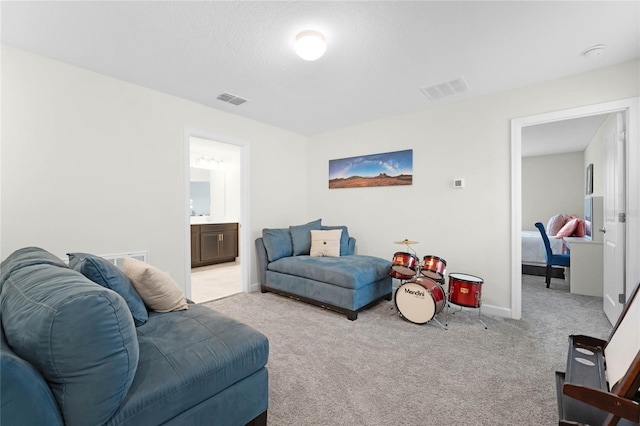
{"x": 434, "y": 267}
{"x": 419, "y": 300}
{"x": 465, "y": 290}
{"x": 403, "y": 266}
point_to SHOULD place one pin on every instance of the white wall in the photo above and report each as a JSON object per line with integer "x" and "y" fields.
{"x": 471, "y": 227}
{"x": 91, "y": 163}
{"x": 552, "y": 184}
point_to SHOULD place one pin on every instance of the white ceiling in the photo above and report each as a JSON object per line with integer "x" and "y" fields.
{"x": 560, "y": 137}
{"x": 379, "y": 54}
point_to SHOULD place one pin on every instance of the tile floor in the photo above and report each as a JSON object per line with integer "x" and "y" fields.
{"x": 215, "y": 281}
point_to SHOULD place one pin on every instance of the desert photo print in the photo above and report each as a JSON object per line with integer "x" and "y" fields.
{"x": 385, "y": 169}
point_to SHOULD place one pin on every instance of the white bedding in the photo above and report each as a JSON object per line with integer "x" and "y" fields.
{"x": 533, "y": 248}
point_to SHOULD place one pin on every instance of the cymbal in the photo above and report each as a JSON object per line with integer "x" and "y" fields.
{"x": 407, "y": 242}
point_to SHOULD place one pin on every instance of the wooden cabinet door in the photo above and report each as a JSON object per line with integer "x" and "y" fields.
{"x": 210, "y": 246}
{"x": 229, "y": 249}
{"x": 195, "y": 248}
{"x": 195, "y": 244}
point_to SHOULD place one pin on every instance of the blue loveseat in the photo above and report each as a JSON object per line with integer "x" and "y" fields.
{"x": 347, "y": 284}
{"x": 71, "y": 354}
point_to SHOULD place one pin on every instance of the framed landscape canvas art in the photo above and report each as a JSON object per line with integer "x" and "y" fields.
{"x": 385, "y": 169}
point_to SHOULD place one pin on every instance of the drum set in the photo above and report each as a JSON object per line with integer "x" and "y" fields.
{"x": 421, "y": 295}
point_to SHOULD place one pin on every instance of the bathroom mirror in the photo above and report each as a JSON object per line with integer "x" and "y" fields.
{"x": 200, "y": 198}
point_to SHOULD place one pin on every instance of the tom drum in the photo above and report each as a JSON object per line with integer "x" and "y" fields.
{"x": 403, "y": 266}
{"x": 434, "y": 267}
{"x": 419, "y": 300}
{"x": 465, "y": 290}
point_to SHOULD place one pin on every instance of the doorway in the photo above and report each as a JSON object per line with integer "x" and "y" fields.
{"x": 629, "y": 107}
{"x": 554, "y": 160}
{"x": 215, "y": 176}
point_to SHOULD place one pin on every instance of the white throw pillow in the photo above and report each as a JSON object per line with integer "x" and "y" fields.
{"x": 326, "y": 243}
{"x": 157, "y": 289}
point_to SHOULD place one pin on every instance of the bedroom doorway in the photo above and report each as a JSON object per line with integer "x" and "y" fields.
{"x": 554, "y": 157}
{"x": 629, "y": 107}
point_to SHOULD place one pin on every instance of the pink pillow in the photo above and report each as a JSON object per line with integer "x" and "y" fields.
{"x": 556, "y": 223}
{"x": 568, "y": 228}
{"x": 579, "y": 232}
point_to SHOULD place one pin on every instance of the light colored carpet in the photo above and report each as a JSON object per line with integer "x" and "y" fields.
{"x": 382, "y": 370}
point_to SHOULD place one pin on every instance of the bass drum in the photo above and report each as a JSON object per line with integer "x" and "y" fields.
{"x": 419, "y": 300}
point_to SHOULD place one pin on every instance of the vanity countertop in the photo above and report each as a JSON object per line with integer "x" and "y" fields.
{"x": 198, "y": 220}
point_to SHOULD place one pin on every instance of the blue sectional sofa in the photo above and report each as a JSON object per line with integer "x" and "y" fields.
{"x": 71, "y": 354}
{"x": 347, "y": 284}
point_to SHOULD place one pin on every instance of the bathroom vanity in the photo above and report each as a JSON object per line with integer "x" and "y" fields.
{"x": 213, "y": 243}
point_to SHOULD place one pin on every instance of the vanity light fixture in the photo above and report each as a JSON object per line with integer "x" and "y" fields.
{"x": 310, "y": 45}
{"x": 209, "y": 163}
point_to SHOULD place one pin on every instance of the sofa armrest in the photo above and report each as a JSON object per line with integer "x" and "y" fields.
{"x": 352, "y": 245}
{"x": 26, "y": 398}
{"x": 262, "y": 261}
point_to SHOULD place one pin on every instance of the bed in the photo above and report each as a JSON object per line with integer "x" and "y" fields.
{"x": 533, "y": 248}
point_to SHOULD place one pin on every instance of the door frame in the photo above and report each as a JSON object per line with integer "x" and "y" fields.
{"x": 629, "y": 107}
{"x": 243, "y": 227}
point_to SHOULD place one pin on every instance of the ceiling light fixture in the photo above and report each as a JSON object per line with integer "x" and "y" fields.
{"x": 594, "y": 51}
{"x": 310, "y": 45}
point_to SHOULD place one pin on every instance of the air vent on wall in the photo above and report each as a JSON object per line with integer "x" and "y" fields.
{"x": 232, "y": 99}
{"x": 448, "y": 88}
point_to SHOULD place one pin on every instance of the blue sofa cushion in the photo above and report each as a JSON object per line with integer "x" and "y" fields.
{"x": 277, "y": 242}
{"x": 185, "y": 358}
{"x": 344, "y": 238}
{"x": 108, "y": 275}
{"x": 80, "y": 336}
{"x": 27, "y": 256}
{"x": 301, "y": 236}
{"x": 350, "y": 272}
{"x": 26, "y": 397}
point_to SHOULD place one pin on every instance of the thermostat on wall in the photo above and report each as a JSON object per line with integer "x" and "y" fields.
{"x": 458, "y": 183}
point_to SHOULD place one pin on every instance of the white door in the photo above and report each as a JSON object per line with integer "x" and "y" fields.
{"x": 614, "y": 220}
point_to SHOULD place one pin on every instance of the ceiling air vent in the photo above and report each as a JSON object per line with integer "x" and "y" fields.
{"x": 448, "y": 88}
{"x": 232, "y": 99}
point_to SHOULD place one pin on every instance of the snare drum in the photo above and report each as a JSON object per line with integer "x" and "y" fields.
{"x": 404, "y": 266}
{"x": 419, "y": 300}
{"x": 465, "y": 290}
{"x": 434, "y": 267}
